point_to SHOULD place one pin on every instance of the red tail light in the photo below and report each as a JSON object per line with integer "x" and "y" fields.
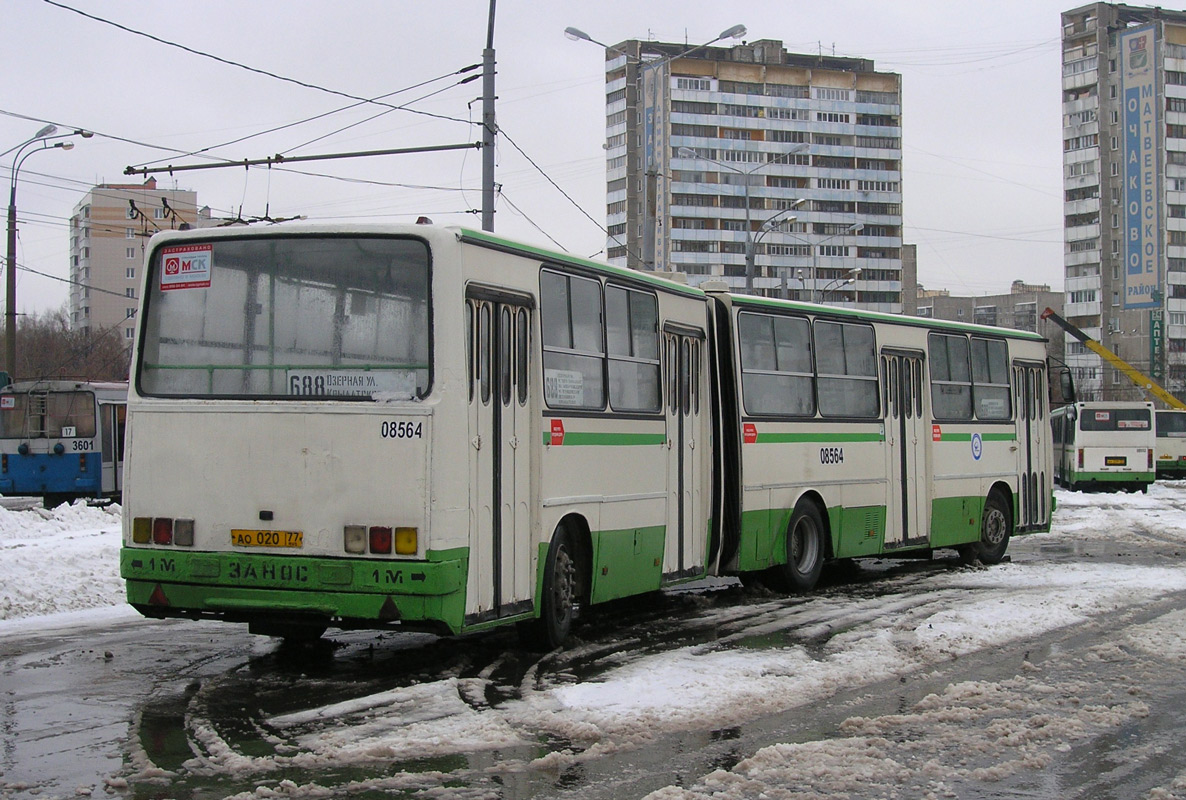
{"x": 1150, "y": 459}
{"x": 162, "y": 530}
{"x": 380, "y": 539}
{"x": 81, "y": 463}
{"x": 1080, "y": 458}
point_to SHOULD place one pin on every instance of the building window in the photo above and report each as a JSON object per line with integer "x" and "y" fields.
{"x": 131, "y": 212}
{"x": 824, "y": 93}
{"x": 158, "y": 213}
{"x": 129, "y": 333}
{"x": 695, "y": 84}
{"x": 131, "y": 312}
{"x": 130, "y": 233}
{"x": 1115, "y": 298}
{"x": 830, "y": 116}
{"x": 834, "y": 250}
{"x": 130, "y": 272}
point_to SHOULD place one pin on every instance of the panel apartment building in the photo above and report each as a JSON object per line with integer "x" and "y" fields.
{"x": 714, "y": 150}
{"x": 1124, "y": 177}
{"x": 109, "y": 231}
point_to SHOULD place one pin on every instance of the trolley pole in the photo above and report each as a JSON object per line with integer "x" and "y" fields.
{"x": 489, "y": 127}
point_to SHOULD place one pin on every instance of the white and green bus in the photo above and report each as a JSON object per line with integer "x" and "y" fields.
{"x": 1170, "y": 459}
{"x": 1104, "y": 446}
{"x": 423, "y": 427}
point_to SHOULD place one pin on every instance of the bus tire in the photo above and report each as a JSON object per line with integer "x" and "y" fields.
{"x": 805, "y": 548}
{"x": 551, "y": 628}
{"x": 996, "y": 526}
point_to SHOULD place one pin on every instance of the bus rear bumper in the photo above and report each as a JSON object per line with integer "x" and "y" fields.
{"x": 250, "y": 587}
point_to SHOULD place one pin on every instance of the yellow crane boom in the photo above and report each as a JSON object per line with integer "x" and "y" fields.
{"x": 1139, "y": 379}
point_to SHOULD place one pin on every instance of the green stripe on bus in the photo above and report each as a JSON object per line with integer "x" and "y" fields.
{"x": 822, "y": 438}
{"x": 590, "y": 439}
{"x": 984, "y": 437}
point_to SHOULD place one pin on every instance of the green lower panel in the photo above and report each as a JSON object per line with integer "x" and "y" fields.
{"x": 240, "y": 584}
{"x": 763, "y": 539}
{"x": 1112, "y": 477}
{"x": 955, "y": 520}
{"x": 862, "y": 530}
{"x": 626, "y": 562}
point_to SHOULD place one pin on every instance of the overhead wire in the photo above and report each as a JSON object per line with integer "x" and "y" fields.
{"x": 239, "y": 65}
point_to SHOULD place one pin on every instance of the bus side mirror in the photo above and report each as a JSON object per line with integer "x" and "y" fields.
{"x": 1062, "y": 392}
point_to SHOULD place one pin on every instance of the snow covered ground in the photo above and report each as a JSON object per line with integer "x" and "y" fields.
{"x": 769, "y": 658}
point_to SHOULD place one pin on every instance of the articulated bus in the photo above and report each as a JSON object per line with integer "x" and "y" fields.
{"x": 1170, "y": 460}
{"x": 62, "y": 440}
{"x": 423, "y": 427}
{"x": 1104, "y": 446}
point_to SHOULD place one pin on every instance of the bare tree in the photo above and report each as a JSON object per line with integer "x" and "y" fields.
{"x": 48, "y": 348}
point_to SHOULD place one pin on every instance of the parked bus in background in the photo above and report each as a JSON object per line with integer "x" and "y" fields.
{"x": 62, "y": 440}
{"x": 412, "y": 426}
{"x": 1104, "y": 446}
{"x": 1170, "y": 459}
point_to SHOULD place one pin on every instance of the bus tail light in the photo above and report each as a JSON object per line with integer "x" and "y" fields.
{"x": 1150, "y": 458}
{"x": 162, "y": 530}
{"x": 81, "y": 462}
{"x": 406, "y": 541}
{"x": 183, "y": 533}
{"x": 1080, "y": 458}
{"x": 4, "y": 462}
{"x": 355, "y": 537}
{"x": 380, "y": 539}
{"x": 141, "y": 530}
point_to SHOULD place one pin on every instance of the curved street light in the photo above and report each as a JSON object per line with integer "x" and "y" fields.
{"x": 750, "y": 240}
{"x": 646, "y": 90}
{"x": 43, "y": 137}
{"x": 849, "y": 278}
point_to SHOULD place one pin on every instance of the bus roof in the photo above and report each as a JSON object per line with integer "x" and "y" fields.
{"x": 486, "y": 239}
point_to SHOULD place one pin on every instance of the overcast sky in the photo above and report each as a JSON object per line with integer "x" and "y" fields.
{"x": 981, "y": 113}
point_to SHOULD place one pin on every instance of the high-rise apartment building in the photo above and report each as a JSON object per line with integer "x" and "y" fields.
{"x": 108, "y": 233}
{"x": 1124, "y": 177}
{"x": 719, "y": 156}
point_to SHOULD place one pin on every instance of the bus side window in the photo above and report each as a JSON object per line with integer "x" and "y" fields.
{"x": 521, "y": 341}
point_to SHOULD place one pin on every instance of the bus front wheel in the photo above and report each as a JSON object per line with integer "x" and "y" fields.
{"x": 559, "y": 597}
{"x": 805, "y": 548}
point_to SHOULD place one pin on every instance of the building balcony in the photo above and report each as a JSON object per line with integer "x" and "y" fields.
{"x": 1081, "y": 232}
{"x": 1090, "y": 309}
{"x": 1081, "y": 80}
{"x": 1081, "y": 283}
{"x": 1084, "y": 206}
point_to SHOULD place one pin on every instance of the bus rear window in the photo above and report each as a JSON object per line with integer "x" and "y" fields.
{"x": 1114, "y": 419}
{"x": 288, "y": 317}
{"x": 1171, "y": 424}
{"x": 50, "y": 415}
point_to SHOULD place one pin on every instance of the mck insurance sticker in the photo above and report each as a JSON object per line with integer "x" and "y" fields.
{"x": 186, "y": 266}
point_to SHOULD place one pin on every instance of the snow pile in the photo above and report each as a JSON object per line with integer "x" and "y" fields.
{"x": 60, "y": 560}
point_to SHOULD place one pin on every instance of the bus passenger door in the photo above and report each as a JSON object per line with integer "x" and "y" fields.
{"x": 908, "y": 507}
{"x": 683, "y": 356}
{"x": 111, "y": 447}
{"x": 1033, "y": 453}
{"x": 500, "y": 456}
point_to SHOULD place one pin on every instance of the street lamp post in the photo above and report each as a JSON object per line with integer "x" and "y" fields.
{"x": 43, "y": 137}
{"x": 646, "y": 90}
{"x": 850, "y": 277}
{"x": 750, "y": 241}
{"x": 856, "y": 226}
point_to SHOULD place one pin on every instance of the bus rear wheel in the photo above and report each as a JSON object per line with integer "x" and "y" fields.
{"x": 556, "y": 615}
{"x": 995, "y": 528}
{"x": 805, "y": 548}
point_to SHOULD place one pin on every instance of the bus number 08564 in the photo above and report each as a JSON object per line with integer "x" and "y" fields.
{"x": 401, "y": 430}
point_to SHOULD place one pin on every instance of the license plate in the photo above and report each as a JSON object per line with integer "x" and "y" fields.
{"x": 242, "y": 538}
{"x": 1115, "y": 461}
